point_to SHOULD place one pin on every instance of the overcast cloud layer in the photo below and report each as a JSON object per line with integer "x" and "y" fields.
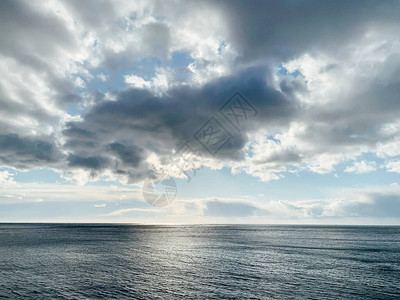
{"x": 95, "y": 88}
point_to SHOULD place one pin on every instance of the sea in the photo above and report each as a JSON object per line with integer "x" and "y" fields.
{"x": 105, "y": 261}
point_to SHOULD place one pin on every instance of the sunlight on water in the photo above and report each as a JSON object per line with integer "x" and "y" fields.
{"x": 130, "y": 261}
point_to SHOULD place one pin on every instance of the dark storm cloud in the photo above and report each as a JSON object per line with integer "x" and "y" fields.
{"x": 139, "y": 122}
{"x": 91, "y": 162}
{"x": 130, "y": 156}
{"x": 285, "y": 29}
{"x": 27, "y": 152}
{"x": 78, "y": 137}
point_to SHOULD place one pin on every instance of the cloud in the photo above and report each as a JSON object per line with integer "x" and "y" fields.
{"x": 393, "y": 166}
{"x": 130, "y": 210}
{"x": 6, "y": 178}
{"x": 379, "y": 206}
{"x": 232, "y": 209}
{"x": 140, "y": 123}
{"x": 159, "y": 83}
{"x": 92, "y": 162}
{"x": 28, "y": 152}
{"x": 137, "y": 81}
{"x": 369, "y": 205}
{"x": 361, "y": 167}
{"x": 374, "y": 204}
{"x": 283, "y": 30}
{"x": 16, "y": 193}
{"x": 325, "y": 88}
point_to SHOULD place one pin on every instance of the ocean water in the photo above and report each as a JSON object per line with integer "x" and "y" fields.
{"x": 71, "y": 261}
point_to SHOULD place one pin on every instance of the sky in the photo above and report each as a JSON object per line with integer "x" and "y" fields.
{"x": 200, "y": 111}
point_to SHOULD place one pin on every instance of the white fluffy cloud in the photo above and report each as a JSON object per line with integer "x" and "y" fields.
{"x": 393, "y": 166}
{"x": 361, "y": 167}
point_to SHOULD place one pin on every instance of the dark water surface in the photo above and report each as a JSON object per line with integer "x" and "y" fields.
{"x": 71, "y": 261}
